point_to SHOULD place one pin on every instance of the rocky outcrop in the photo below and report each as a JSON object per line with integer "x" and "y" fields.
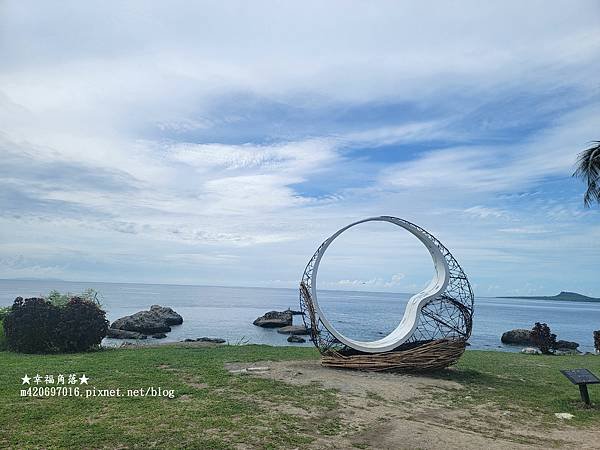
{"x": 566, "y": 352}
{"x": 159, "y": 336}
{"x": 167, "y": 314}
{"x": 206, "y": 339}
{"x": 157, "y": 320}
{"x": 520, "y": 336}
{"x": 115, "y": 333}
{"x": 275, "y": 319}
{"x": 294, "y": 329}
{"x": 296, "y": 339}
{"x": 566, "y": 345}
{"x": 142, "y": 322}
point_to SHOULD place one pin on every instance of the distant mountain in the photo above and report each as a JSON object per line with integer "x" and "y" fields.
{"x": 31, "y": 279}
{"x": 564, "y": 295}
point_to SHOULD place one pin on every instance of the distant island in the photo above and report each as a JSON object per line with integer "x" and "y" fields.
{"x": 564, "y": 295}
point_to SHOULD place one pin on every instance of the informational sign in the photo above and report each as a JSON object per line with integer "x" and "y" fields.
{"x": 581, "y": 376}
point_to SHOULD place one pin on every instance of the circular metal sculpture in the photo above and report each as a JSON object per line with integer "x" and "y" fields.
{"x": 432, "y": 333}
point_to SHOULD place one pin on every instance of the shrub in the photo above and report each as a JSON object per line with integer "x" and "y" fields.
{"x": 4, "y": 312}
{"x": 542, "y": 338}
{"x": 597, "y": 340}
{"x": 2, "y": 338}
{"x": 38, "y": 325}
{"x": 82, "y": 326}
{"x": 30, "y": 326}
{"x": 58, "y": 299}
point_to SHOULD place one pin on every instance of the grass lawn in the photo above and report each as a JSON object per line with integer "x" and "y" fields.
{"x": 214, "y": 409}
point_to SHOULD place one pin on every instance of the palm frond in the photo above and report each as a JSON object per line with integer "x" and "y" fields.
{"x": 588, "y": 169}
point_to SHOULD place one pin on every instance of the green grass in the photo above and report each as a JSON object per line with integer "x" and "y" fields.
{"x": 214, "y": 409}
{"x": 525, "y": 384}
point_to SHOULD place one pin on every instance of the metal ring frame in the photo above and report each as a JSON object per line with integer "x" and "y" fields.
{"x": 443, "y": 310}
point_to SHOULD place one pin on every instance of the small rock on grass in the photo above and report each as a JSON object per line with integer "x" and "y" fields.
{"x": 248, "y": 370}
{"x": 531, "y": 351}
{"x": 257, "y": 369}
{"x": 564, "y": 416}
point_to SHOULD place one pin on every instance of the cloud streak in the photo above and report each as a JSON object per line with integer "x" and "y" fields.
{"x": 164, "y": 137}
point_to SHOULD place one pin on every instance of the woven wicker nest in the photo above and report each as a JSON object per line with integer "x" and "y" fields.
{"x": 433, "y": 355}
{"x": 437, "y": 337}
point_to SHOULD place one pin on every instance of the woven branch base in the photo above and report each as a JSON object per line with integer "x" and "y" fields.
{"x": 432, "y": 355}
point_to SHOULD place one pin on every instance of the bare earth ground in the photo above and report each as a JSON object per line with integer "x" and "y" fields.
{"x": 397, "y": 411}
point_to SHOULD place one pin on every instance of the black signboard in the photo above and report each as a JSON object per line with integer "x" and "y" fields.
{"x": 581, "y": 376}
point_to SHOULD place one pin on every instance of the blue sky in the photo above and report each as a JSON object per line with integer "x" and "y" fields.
{"x": 221, "y": 142}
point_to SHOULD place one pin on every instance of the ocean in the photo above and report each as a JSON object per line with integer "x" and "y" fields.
{"x": 228, "y": 312}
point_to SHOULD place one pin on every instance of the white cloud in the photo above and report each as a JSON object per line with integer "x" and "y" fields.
{"x": 526, "y": 230}
{"x": 484, "y": 212}
{"x": 374, "y": 283}
{"x": 499, "y": 169}
{"x": 146, "y": 133}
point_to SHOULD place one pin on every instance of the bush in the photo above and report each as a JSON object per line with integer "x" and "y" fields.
{"x": 82, "y": 326}
{"x": 38, "y": 325}
{"x": 597, "y": 340}
{"x": 542, "y": 338}
{"x": 30, "y": 326}
{"x": 4, "y": 312}
{"x": 2, "y": 338}
{"x": 58, "y": 299}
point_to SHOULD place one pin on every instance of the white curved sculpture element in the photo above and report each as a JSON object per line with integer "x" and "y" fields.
{"x": 409, "y": 321}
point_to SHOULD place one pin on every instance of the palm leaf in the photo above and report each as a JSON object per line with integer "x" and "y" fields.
{"x": 588, "y": 169}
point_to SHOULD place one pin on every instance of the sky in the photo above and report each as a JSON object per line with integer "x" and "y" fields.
{"x": 220, "y": 142}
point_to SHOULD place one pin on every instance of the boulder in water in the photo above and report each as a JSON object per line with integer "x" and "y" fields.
{"x": 206, "y": 339}
{"x": 294, "y": 329}
{"x": 274, "y": 319}
{"x": 211, "y": 340}
{"x": 566, "y": 345}
{"x": 520, "y": 336}
{"x": 157, "y": 320}
{"x": 296, "y": 339}
{"x": 167, "y": 314}
{"x": 115, "y": 333}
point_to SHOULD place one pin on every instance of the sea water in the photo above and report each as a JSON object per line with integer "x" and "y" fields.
{"x": 228, "y": 312}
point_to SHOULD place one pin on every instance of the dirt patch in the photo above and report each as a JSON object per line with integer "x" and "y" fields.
{"x": 187, "y": 379}
{"x": 399, "y": 411}
{"x": 184, "y": 398}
